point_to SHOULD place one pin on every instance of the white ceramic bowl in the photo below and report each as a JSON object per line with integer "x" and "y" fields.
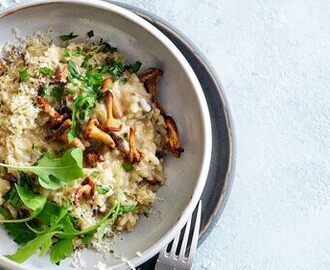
{"x": 180, "y": 93}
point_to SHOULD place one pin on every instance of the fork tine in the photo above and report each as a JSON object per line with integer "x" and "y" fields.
{"x": 194, "y": 241}
{"x": 185, "y": 240}
{"x": 175, "y": 246}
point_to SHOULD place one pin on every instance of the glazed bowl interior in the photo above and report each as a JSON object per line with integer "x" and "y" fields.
{"x": 180, "y": 95}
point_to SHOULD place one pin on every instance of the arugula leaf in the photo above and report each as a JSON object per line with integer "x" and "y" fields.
{"x": 4, "y": 212}
{"x": 35, "y": 202}
{"x": 90, "y": 33}
{"x": 47, "y": 71}
{"x": 24, "y": 75}
{"x": 61, "y": 250}
{"x": 88, "y": 237}
{"x": 128, "y": 166}
{"x": 20, "y": 232}
{"x": 73, "y": 69}
{"x": 52, "y": 214}
{"x": 57, "y": 92}
{"x": 68, "y": 37}
{"x": 13, "y": 198}
{"x": 133, "y": 68}
{"x": 54, "y": 173}
{"x": 41, "y": 242}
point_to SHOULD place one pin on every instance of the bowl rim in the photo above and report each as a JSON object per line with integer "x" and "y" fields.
{"x": 206, "y": 123}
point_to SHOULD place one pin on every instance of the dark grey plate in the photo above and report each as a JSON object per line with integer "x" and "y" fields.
{"x": 220, "y": 176}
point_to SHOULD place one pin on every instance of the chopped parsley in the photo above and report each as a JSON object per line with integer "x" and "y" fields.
{"x": 102, "y": 189}
{"x": 95, "y": 174}
{"x": 24, "y": 75}
{"x": 115, "y": 68}
{"x": 73, "y": 69}
{"x": 86, "y": 59}
{"x": 106, "y": 47}
{"x": 78, "y": 51}
{"x": 134, "y": 68}
{"x": 57, "y": 92}
{"x": 47, "y": 71}
{"x": 68, "y": 37}
{"x": 66, "y": 53}
{"x": 128, "y": 166}
{"x": 90, "y": 33}
{"x": 124, "y": 80}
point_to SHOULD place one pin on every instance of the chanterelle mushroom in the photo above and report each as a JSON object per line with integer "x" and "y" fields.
{"x": 62, "y": 133}
{"x": 62, "y": 73}
{"x": 149, "y": 79}
{"x": 173, "y": 139}
{"x": 55, "y": 117}
{"x": 117, "y": 109}
{"x": 110, "y": 125}
{"x": 133, "y": 155}
{"x": 87, "y": 190}
{"x": 92, "y": 157}
{"x": 93, "y": 132}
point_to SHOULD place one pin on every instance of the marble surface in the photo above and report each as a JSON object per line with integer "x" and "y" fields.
{"x": 273, "y": 60}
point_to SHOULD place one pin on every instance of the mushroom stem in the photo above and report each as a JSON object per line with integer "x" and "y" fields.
{"x": 93, "y": 132}
{"x": 110, "y": 124}
{"x": 173, "y": 139}
{"x": 55, "y": 117}
{"x": 149, "y": 79}
{"x": 133, "y": 155}
{"x": 62, "y": 135}
{"x": 117, "y": 110}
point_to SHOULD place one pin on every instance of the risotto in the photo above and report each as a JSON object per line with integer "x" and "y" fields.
{"x": 83, "y": 138}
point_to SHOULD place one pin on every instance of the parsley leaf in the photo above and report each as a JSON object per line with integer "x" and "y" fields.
{"x": 47, "y": 71}
{"x": 24, "y": 75}
{"x": 116, "y": 68}
{"x": 68, "y": 37}
{"x": 90, "y": 33}
{"x": 54, "y": 173}
{"x": 61, "y": 250}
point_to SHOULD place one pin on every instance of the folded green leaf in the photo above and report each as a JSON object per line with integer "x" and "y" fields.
{"x": 61, "y": 250}
{"x": 56, "y": 172}
{"x": 42, "y": 243}
{"x": 35, "y": 202}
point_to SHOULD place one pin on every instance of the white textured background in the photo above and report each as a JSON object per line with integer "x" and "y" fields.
{"x": 273, "y": 59}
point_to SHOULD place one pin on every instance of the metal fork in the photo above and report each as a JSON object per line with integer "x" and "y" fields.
{"x": 169, "y": 259}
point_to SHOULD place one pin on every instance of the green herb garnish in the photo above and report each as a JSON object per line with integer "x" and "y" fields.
{"x": 90, "y": 33}
{"x": 102, "y": 189}
{"x": 73, "y": 69}
{"x": 47, "y": 71}
{"x": 66, "y": 53}
{"x": 134, "y": 68}
{"x": 86, "y": 59}
{"x": 54, "y": 173}
{"x": 128, "y": 166}
{"x": 95, "y": 174}
{"x": 24, "y": 75}
{"x": 106, "y": 47}
{"x": 68, "y": 37}
{"x": 57, "y": 92}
